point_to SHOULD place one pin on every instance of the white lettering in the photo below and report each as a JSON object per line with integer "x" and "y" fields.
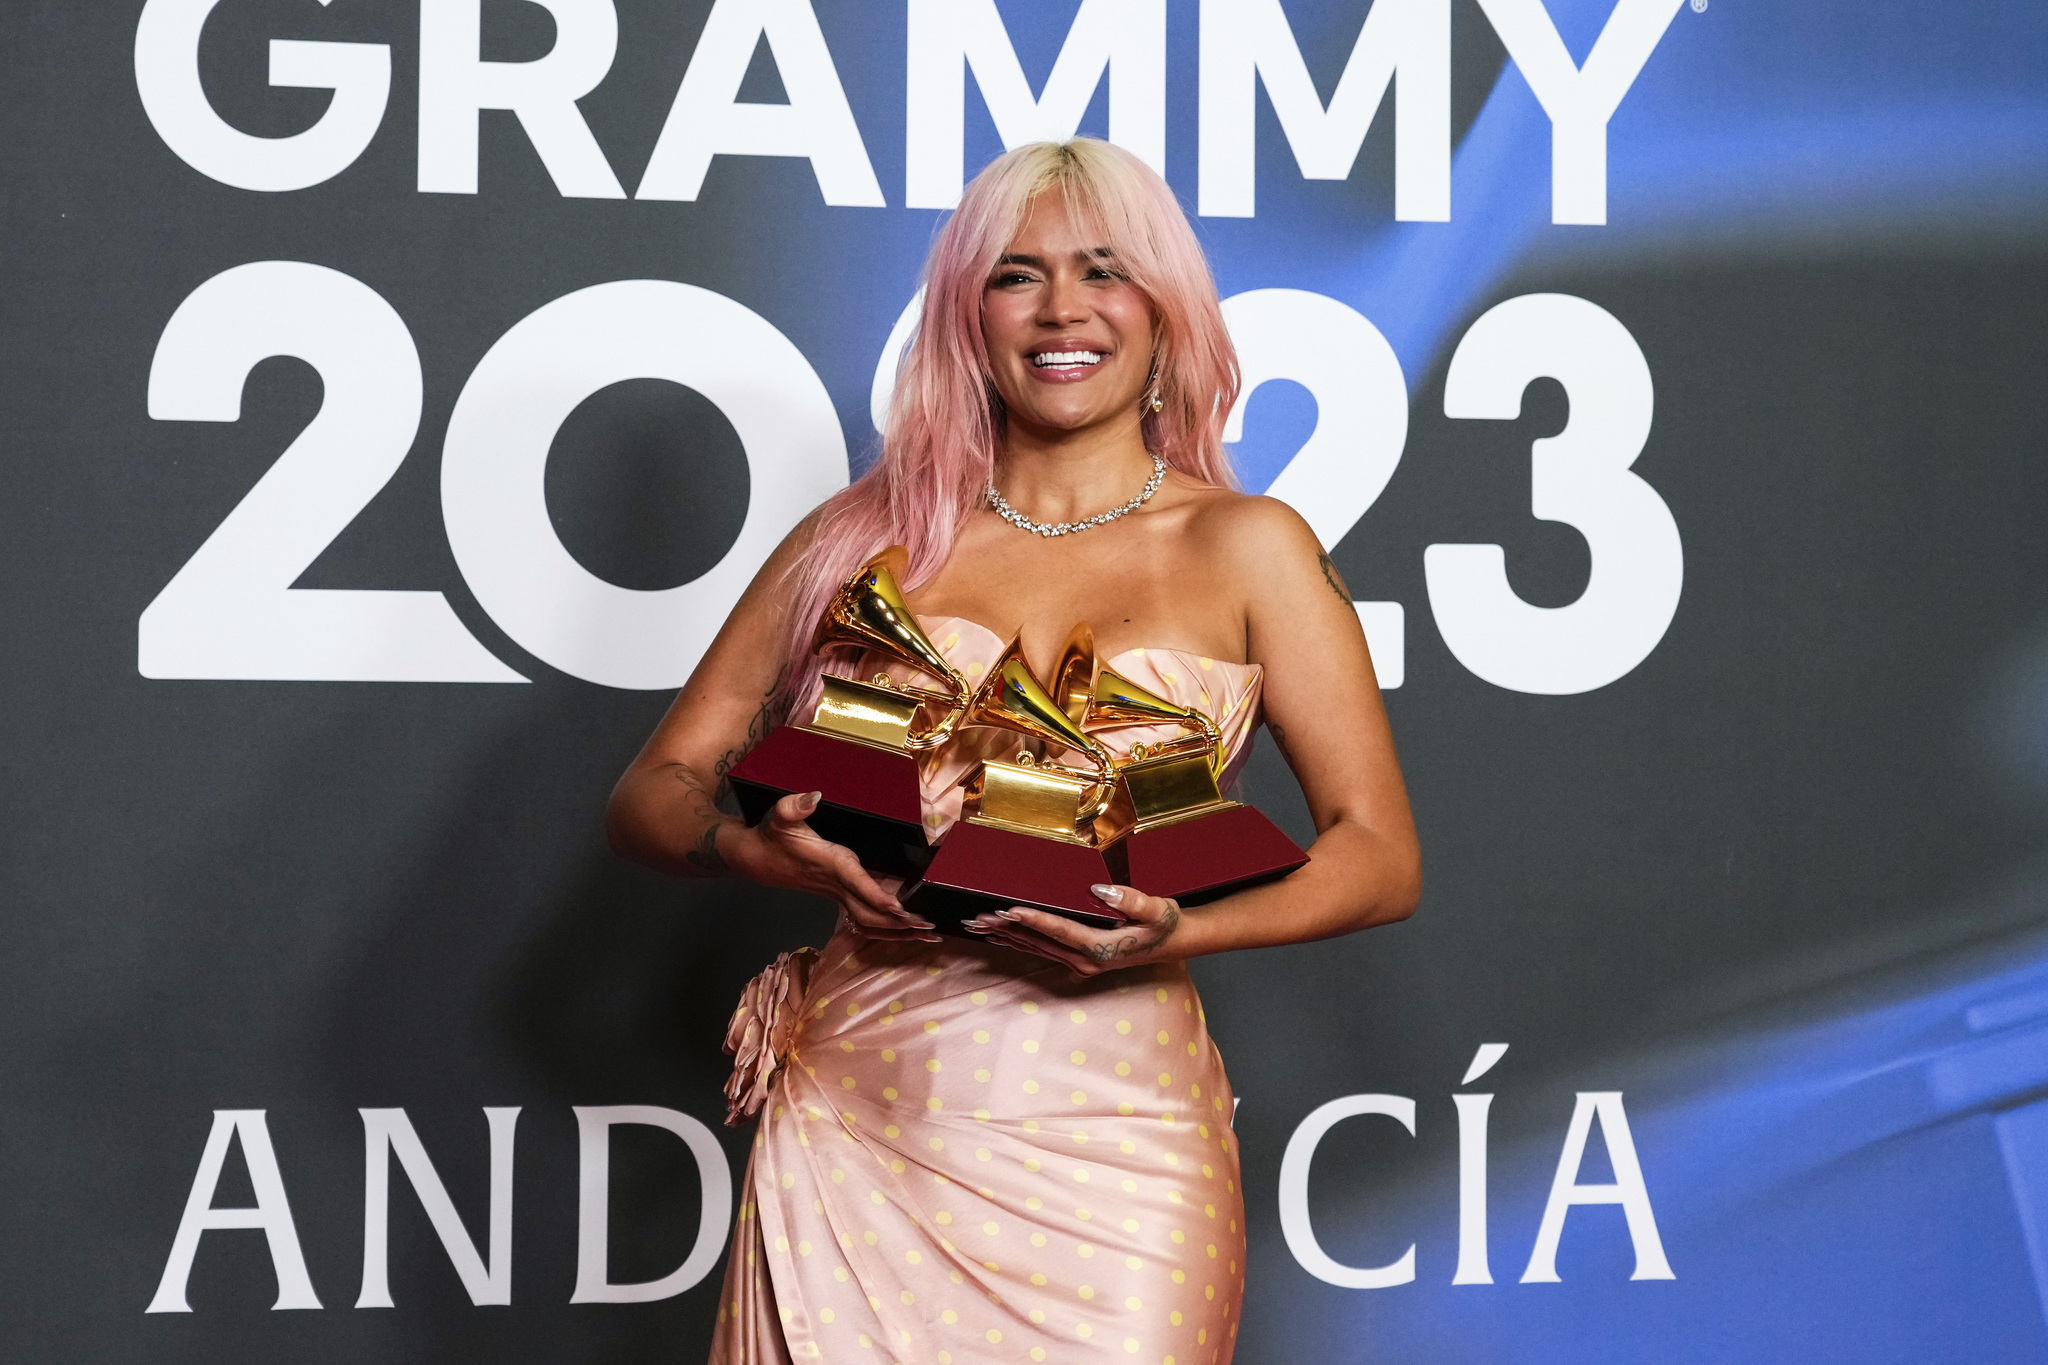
{"x": 1125, "y": 38}
{"x": 456, "y": 83}
{"x": 708, "y": 120}
{"x": 1247, "y": 41}
{"x": 1580, "y": 477}
{"x": 493, "y": 468}
{"x": 167, "y": 79}
{"x": 386, "y": 1131}
{"x": 1627, "y": 1190}
{"x": 231, "y": 611}
{"x": 882, "y": 389}
{"x": 272, "y": 1213}
{"x": 593, "y": 1203}
{"x": 1472, "y": 1266}
{"x": 1334, "y": 352}
{"x": 1294, "y": 1168}
{"x": 1472, "y": 1111}
{"x": 1579, "y": 100}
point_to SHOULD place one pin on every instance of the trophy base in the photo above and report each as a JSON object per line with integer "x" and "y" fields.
{"x": 871, "y": 801}
{"x": 981, "y": 867}
{"x": 1209, "y": 856}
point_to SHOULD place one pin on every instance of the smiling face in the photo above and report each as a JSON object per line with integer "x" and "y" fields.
{"x": 1069, "y": 338}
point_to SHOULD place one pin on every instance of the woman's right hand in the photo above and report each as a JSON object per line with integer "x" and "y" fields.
{"x": 784, "y": 851}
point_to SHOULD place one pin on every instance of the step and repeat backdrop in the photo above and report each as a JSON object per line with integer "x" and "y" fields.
{"x": 397, "y": 393}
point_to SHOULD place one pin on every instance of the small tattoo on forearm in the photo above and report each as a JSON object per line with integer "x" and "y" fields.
{"x": 1330, "y": 576}
{"x": 705, "y": 857}
{"x": 716, "y": 804}
{"x": 762, "y": 722}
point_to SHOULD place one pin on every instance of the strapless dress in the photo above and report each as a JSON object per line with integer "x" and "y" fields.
{"x": 968, "y": 1155}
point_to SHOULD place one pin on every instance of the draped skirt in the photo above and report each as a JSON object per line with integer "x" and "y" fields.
{"x": 967, "y": 1155}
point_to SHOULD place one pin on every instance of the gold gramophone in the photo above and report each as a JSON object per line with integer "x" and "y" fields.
{"x": 1032, "y": 796}
{"x": 1181, "y": 837}
{"x": 1172, "y": 780}
{"x": 860, "y": 747}
{"x": 1029, "y": 834}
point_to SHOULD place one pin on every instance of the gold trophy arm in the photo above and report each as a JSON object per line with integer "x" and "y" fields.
{"x": 956, "y": 702}
{"x": 869, "y": 612}
{"x": 1012, "y": 698}
{"x": 1105, "y": 780}
{"x": 1119, "y": 703}
{"x": 1201, "y": 734}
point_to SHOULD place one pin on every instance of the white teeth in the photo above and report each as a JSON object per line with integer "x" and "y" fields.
{"x": 1050, "y": 359}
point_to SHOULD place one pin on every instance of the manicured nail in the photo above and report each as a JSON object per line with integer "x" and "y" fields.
{"x": 811, "y": 800}
{"x": 1010, "y": 915}
{"x": 1109, "y": 893}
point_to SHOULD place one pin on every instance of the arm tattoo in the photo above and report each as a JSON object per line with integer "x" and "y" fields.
{"x": 1330, "y": 576}
{"x": 757, "y": 729}
{"x": 715, "y": 804}
{"x": 1106, "y": 953}
{"x": 705, "y": 857}
{"x": 1279, "y": 734}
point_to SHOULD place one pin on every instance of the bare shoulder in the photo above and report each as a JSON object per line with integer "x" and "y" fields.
{"x": 1268, "y": 548}
{"x": 1249, "y": 529}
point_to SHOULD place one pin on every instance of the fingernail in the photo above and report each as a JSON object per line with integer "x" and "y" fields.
{"x": 933, "y": 938}
{"x": 1109, "y": 893}
{"x": 922, "y": 924}
{"x": 1006, "y": 914}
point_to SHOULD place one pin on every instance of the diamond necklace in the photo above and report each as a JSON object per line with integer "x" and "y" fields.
{"x": 1024, "y": 523}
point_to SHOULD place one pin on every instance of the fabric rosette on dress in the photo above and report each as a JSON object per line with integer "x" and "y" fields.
{"x": 762, "y": 1031}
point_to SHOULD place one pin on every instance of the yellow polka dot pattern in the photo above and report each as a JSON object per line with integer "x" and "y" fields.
{"x": 1035, "y": 1168}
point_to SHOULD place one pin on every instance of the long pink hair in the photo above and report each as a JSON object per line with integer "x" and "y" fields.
{"x": 945, "y": 424}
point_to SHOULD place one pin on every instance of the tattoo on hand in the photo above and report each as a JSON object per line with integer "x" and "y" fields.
{"x": 1330, "y": 576}
{"x": 1106, "y": 953}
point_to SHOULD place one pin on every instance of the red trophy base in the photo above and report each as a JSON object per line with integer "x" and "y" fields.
{"x": 871, "y": 801}
{"x": 1210, "y": 856}
{"x": 979, "y": 868}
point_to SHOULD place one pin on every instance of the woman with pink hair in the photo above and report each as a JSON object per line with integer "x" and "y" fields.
{"x": 1019, "y": 1148}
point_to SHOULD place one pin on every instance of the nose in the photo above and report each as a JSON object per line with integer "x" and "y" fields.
{"x": 1064, "y": 303}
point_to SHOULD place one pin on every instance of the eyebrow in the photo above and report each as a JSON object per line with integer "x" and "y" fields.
{"x": 1100, "y": 253}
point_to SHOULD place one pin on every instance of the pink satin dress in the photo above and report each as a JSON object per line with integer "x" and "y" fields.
{"x": 970, "y": 1155}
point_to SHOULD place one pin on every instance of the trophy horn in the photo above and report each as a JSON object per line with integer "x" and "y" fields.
{"x": 1116, "y": 701}
{"x": 869, "y": 611}
{"x": 1073, "y": 677}
{"x": 1012, "y": 698}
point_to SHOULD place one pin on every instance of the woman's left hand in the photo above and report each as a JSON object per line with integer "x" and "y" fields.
{"x": 1153, "y": 922}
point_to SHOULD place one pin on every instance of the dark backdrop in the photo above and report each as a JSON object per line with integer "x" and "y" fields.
{"x": 1821, "y": 796}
